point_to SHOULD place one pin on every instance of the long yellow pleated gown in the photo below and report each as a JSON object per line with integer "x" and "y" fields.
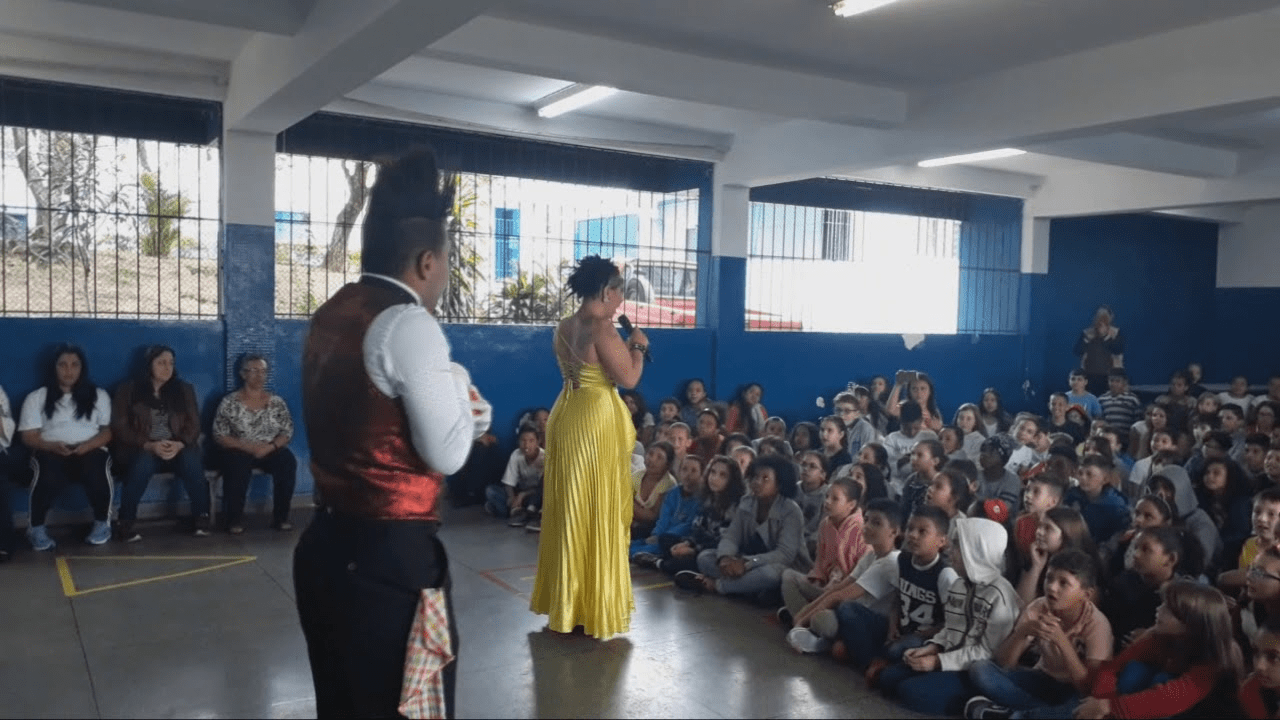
{"x": 583, "y": 575}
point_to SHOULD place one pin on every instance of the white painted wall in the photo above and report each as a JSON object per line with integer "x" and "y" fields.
{"x": 1249, "y": 252}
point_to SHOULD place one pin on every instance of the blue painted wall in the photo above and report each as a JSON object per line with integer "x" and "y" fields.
{"x": 1244, "y": 340}
{"x": 1157, "y": 273}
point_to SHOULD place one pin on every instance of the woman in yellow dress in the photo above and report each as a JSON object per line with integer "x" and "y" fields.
{"x": 583, "y": 575}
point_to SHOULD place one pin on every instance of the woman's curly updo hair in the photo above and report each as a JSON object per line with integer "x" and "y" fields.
{"x": 408, "y": 209}
{"x": 593, "y": 275}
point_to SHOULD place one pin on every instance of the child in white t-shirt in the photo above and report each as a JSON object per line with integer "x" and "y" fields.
{"x": 519, "y": 495}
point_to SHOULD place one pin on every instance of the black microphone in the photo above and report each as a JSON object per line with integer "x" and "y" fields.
{"x": 627, "y": 327}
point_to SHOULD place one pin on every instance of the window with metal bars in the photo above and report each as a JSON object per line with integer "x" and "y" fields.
{"x": 884, "y": 259}
{"x": 104, "y": 226}
{"x": 514, "y": 242}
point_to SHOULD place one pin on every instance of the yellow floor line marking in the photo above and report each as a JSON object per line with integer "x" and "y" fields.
{"x": 531, "y": 577}
{"x": 659, "y": 585}
{"x": 69, "y": 587}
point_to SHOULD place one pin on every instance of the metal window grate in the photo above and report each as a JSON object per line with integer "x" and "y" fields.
{"x": 514, "y": 241}
{"x": 107, "y": 227}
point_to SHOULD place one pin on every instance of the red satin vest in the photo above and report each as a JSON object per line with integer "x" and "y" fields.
{"x": 362, "y": 455}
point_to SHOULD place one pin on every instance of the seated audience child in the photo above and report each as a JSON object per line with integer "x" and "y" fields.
{"x": 1178, "y": 400}
{"x": 920, "y": 391}
{"x": 1044, "y": 491}
{"x": 735, "y": 440}
{"x": 952, "y": 439}
{"x": 804, "y": 436}
{"x": 968, "y": 419}
{"x": 995, "y": 420}
{"x": 872, "y": 403}
{"x": 1206, "y": 410}
{"x": 681, "y": 439}
{"x": 1254, "y": 459}
{"x": 1161, "y": 440}
{"x": 774, "y": 446}
{"x": 722, "y": 490}
{"x": 1224, "y": 495}
{"x": 969, "y": 470}
{"x": 1270, "y": 468}
{"x": 1062, "y": 528}
{"x": 840, "y": 546}
{"x": 743, "y": 455}
{"x": 641, "y": 418}
{"x": 649, "y": 488}
{"x": 870, "y": 479}
{"x": 995, "y": 481}
{"x": 858, "y": 430}
{"x": 775, "y": 427}
{"x": 1150, "y": 511}
{"x": 812, "y": 497}
{"x": 1264, "y": 517}
{"x": 1237, "y": 393}
{"x": 1103, "y": 507}
{"x": 834, "y": 443}
{"x": 1214, "y": 445}
{"x": 1120, "y": 408}
{"x": 1159, "y": 555}
{"x": 1067, "y": 631}
{"x": 870, "y": 584}
{"x": 1058, "y": 422}
{"x": 1260, "y": 601}
{"x": 1187, "y": 665}
{"x": 695, "y": 401}
{"x": 1081, "y": 396}
{"x": 1119, "y": 448}
{"x": 875, "y": 454}
{"x": 1172, "y": 484}
{"x": 949, "y": 491}
{"x": 669, "y": 411}
{"x": 1259, "y": 695}
{"x": 1262, "y": 419}
{"x": 981, "y": 608}
{"x": 1032, "y": 445}
{"x": 765, "y": 537}
{"x": 746, "y": 413}
{"x": 538, "y": 418}
{"x": 916, "y": 610}
{"x": 927, "y": 459}
{"x": 1140, "y": 435}
{"x": 67, "y": 424}
{"x": 519, "y": 494}
{"x": 709, "y": 440}
{"x": 675, "y": 519}
{"x": 898, "y": 444}
{"x": 1231, "y": 422}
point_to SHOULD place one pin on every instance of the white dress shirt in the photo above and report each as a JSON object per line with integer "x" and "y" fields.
{"x": 407, "y": 356}
{"x": 6, "y": 421}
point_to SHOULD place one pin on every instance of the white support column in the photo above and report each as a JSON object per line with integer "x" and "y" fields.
{"x": 248, "y": 178}
{"x": 731, "y": 221}
{"x": 1035, "y": 244}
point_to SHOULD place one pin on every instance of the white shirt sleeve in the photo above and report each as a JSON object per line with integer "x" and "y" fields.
{"x": 32, "y": 417}
{"x": 882, "y": 577}
{"x": 511, "y": 477}
{"x": 6, "y": 421}
{"x": 407, "y": 357}
{"x": 102, "y": 409}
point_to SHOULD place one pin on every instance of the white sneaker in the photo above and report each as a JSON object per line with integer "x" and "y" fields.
{"x": 805, "y": 641}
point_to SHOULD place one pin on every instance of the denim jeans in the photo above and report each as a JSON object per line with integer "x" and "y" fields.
{"x": 756, "y": 580}
{"x": 185, "y": 466}
{"x": 863, "y": 631}
{"x": 237, "y": 472}
{"x": 928, "y": 693}
{"x": 899, "y": 647}
{"x": 496, "y": 495}
{"x": 1019, "y": 688}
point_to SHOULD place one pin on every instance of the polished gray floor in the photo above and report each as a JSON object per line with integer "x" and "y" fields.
{"x": 176, "y": 626}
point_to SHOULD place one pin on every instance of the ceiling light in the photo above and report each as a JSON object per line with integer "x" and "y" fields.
{"x": 972, "y": 157}
{"x": 848, "y": 8}
{"x": 571, "y": 98}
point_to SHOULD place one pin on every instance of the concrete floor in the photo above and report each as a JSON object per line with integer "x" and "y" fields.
{"x": 96, "y": 635}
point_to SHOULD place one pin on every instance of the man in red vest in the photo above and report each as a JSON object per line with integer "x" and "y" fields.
{"x": 388, "y": 415}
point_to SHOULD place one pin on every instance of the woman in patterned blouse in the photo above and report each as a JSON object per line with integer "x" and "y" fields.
{"x": 253, "y": 428}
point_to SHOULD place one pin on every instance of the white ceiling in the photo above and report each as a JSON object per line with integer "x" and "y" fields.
{"x": 1178, "y": 96}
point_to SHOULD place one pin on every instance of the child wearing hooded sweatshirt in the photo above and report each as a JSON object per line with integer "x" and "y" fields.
{"x": 1174, "y": 484}
{"x": 981, "y": 609}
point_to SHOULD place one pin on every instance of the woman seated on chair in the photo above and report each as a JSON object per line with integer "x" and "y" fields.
{"x": 253, "y": 428}
{"x": 155, "y": 427}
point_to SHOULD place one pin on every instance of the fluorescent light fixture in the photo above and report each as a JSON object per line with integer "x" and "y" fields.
{"x": 571, "y": 98}
{"x": 849, "y": 8}
{"x": 972, "y": 157}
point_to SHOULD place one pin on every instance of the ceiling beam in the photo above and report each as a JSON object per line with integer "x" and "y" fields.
{"x": 960, "y": 178}
{"x": 578, "y": 57}
{"x": 577, "y": 128}
{"x": 1111, "y": 190}
{"x": 280, "y": 18}
{"x": 277, "y": 81}
{"x": 1145, "y": 152}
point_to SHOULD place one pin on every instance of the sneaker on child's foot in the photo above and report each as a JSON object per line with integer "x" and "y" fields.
{"x": 804, "y": 640}
{"x": 534, "y": 525}
{"x": 236, "y": 530}
{"x": 518, "y": 519}
{"x": 784, "y": 617}
{"x": 284, "y": 526}
{"x": 645, "y": 559}
{"x": 982, "y": 708}
{"x": 691, "y": 581}
{"x": 491, "y": 508}
{"x": 202, "y": 526}
{"x": 100, "y": 533}
{"x": 39, "y": 539}
{"x": 126, "y": 533}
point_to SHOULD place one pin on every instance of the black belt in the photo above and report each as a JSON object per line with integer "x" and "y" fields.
{"x": 347, "y": 520}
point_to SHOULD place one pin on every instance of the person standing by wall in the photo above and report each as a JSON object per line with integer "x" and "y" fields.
{"x": 1100, "y": 347}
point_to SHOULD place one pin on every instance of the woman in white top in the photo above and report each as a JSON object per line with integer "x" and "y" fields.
{"x": 67, "y": 425}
